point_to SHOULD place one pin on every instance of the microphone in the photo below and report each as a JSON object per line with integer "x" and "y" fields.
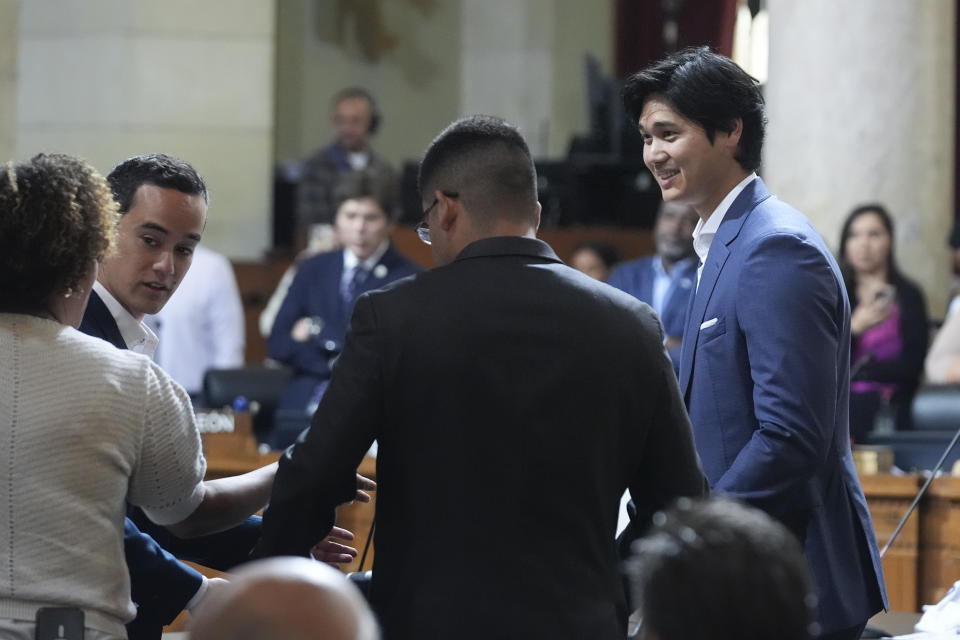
{"x": 923, "y": 489}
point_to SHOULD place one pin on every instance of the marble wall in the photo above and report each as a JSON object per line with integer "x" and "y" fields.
{"x": 107, "y": 79}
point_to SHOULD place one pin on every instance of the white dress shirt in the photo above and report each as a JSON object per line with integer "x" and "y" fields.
{"x": 704, "y": 231}
{"x": 138, "y": 337}
{"x": 351, "y": 262}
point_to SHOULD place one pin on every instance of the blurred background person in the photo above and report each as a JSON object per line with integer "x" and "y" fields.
{"x": 307, "y": 334}
{"x": 85, "y": 427}
{"x": 202, "y": 326}
{"x": 888, "y": 323}
{"x": 286, "y": 599}
{"x": 355, "y": 120}
{"x": 667, "y": 279}
{"x": 718, "y": 570}
{"x": 595, "y": 259}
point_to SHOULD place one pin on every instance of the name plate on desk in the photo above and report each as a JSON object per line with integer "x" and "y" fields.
{"x": 216, "y": 422}
{"x": 227, "y": 433}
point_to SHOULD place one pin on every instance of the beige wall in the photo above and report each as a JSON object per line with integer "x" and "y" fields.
{"x": 520, "y": 60}
{"x": 9, "y": 23}
{"x": 414, "y": 74}
{"x": 107, "y": 79}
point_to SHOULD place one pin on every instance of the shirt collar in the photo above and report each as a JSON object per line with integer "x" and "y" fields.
{"x": 350, "y": 260}
{"x": 136, "y": 335}
{"x": 704, "y": 231}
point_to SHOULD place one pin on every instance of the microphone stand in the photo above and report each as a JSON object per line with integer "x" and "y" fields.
{"x": 923, "y": 489}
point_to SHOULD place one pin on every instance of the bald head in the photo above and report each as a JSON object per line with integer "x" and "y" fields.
{"x": 285, "y": 599}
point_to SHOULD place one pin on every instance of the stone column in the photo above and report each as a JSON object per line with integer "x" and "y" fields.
{"x": 861, "y": 107}
{"x": 524, "y": 61}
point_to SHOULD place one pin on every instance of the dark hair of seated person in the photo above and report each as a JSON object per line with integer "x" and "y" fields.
{"x": 716, "y": 569}
{"x": 57, "y": 215}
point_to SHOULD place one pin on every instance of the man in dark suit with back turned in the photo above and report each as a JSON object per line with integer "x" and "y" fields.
{"x": 765, "y": 358}
{"x": 533, "y": 393}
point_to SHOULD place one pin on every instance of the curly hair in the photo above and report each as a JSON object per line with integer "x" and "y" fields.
{"x": 57, "y": 215}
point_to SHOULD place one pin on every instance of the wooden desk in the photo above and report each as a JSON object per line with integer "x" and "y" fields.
{"x": 889, "y": 497}
{"x": 939, "y": 539}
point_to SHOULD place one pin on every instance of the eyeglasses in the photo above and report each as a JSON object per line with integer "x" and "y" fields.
{"x": 423, "y": 229}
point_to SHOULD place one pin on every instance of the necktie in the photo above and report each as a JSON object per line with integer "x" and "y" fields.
{"x": 354, "y": 286}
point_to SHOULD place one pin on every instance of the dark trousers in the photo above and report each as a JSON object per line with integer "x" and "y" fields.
{"x": 853, "y": 633}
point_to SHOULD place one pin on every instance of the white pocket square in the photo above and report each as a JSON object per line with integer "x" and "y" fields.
{"x": 709, "y": 323}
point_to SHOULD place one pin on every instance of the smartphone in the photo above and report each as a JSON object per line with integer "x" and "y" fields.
{"x": 59, "y": 623}
{"x": 885, "y": 294}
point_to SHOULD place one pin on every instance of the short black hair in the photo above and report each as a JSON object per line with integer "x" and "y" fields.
{"x": 604, "y": 250}
{"x": 367, "y": 184}
{"x": 716, "y": 569}
{"x": 157, "y": 169}
{"x": 487, "y": 162}
{"x": 707, "y": 89}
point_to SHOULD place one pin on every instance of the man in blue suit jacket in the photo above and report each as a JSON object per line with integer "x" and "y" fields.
{"x": 765, "y": 365}
{"x": 310, "y": 326}
{"x": 666, "y": 279}
{"x": 163, "y": 204}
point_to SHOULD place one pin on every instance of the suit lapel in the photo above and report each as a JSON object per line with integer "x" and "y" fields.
{"x": 708, "y": 280}
{"x": 99, "y": 323}
{"x": 752, "y": 195}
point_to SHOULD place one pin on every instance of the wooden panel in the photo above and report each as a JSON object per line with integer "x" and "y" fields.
{"x": 258, "y": 280}
{"x": 889, "y": 497}
{"x": 940, "y": 539}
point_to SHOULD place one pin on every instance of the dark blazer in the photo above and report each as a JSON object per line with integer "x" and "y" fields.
{"x": 513, "y": 399}
{"x": 160, "y": 585}
{"x": 315, "y": 292}
{"x": 765, "y": 371}
{"x": 636, "y": 278}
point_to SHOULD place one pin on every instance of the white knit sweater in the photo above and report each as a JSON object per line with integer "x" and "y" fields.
{"x": 84, "y": 428}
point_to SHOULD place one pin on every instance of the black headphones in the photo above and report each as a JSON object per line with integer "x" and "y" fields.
{"x": 358, "y": 92}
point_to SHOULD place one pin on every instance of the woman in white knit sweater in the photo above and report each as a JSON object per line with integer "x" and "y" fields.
{"x": 84, "y": 427}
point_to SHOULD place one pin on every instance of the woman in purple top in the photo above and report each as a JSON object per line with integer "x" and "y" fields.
{"x": 888, "y": 322}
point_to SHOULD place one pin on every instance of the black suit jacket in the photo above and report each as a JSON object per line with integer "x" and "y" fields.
{"x": 160, "y": 585}
{"x": 514, "y": 399}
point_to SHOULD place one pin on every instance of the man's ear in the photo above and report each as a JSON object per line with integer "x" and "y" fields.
{"x": 736, "y": 132}
{"x": 539, "y": 209}
{"x": 448, "y": 210}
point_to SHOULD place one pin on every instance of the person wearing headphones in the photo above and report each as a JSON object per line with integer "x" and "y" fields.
{"x": 355, "y": 120}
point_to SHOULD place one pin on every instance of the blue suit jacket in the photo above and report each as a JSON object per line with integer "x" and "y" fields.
{"x": 765, "y": 372}
{"x": 160, "y": 585}
{"x": 315, "y": 292}
{"x": 636, "y": 278}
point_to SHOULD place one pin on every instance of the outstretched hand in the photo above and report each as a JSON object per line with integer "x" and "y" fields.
{"x": 364, "y": 483}
{"x": 332, "y": 552}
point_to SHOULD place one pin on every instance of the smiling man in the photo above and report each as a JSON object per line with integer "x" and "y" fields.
{"x": 765, "y": 358}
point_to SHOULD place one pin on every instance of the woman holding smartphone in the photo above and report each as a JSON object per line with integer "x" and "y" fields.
{"x": 888, "y": 323}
